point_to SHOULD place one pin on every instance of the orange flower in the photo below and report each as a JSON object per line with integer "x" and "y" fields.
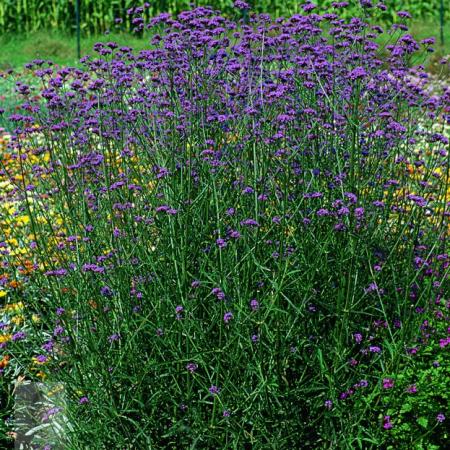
{"x": 93, "y": 304}
{"x": 66, "y": 290}
{"x": 4, "y": 361}
{"x": 14, "y": 284}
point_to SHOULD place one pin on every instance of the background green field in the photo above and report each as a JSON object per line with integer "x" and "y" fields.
{"x": 98, "y": 15}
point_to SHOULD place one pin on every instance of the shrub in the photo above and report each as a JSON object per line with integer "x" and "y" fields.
{"x": 235, "y": 234}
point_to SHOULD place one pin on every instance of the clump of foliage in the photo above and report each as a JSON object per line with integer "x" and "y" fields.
{"x": 234, "y": 238}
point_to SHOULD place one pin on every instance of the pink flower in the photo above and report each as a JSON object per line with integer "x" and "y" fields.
{"x": 387, "y": 423}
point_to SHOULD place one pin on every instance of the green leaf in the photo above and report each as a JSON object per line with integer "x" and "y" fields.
{"x": 405, "y": 427}
{"x": 422, "y": 421}
{"x": 406, "y": 408}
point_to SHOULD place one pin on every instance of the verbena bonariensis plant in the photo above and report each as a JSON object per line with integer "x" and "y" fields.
{"x": 237, "y": 234}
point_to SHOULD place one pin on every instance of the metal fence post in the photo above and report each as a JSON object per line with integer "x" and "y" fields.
{"x": 77, "y": 18}
{"x": 442, "y": 22}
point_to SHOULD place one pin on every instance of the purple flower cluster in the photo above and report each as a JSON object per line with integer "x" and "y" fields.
{"x": 260, "y": 189}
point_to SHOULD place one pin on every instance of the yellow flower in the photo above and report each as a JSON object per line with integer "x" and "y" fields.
{"x": 19, "y": 251}
{"x": 35, "y": 318}
{"x": 17, "y": 320}
{"x": 3, "y": 294}
{"x": 10, "y": 209}
{"x": 13, "y": 241}
{"x": 58, "y": 388}
{"x": 289, "y": 231}
{"x": 6, "y": 185}
{"x": 231, "y": 138}
{"x": 14, "y": 307}
{"x": 23, "y": 220}
{"x": 5, "y": 338}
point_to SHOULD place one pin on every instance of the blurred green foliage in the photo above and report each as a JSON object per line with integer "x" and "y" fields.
{"x": 97, "y": 16}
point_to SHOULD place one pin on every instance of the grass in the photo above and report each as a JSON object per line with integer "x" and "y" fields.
{"x": 422, "y": 30}
{"x": 61, "y": 48}
{"x": 17, "y": 50}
